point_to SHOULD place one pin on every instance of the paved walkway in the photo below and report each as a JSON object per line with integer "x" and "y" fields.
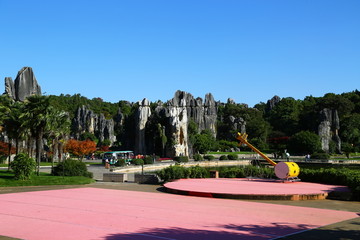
{"x": 304, "y": 219}
{"x": 98, "y": 213}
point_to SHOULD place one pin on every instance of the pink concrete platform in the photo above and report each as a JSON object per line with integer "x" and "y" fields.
{"x": 92, "y": 213}
{"x": 243, "y": 188}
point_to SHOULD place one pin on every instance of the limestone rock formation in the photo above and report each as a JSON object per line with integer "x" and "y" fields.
{"x": 182, "y": 108}
{"x": 210, "y": 113}
{"x": 238, "y": 124}
{"x": 272, "y": 102}
{"x": 10, "y": 87}
{"x": 328, "y": 129}
{"x": 25, "y": 85}
{"x": 142, "y": 116}
{"x": 87, "y": 121}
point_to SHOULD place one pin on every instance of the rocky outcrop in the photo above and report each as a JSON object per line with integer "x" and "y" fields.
{"x": 87, "y": 121}
{"x": 272, "y": 102}
{"x": 238, "y": 124}
{"x": 25, "y": 85}
{"x": 328, "y": 129}
{"x": 182, "y": 108}
{"x": 142, "y": 116}
{"x": 210, "y": 114}
{"x": 203, "y": 114}
{"x": 10, "y": 87}
{"x": 178, "y": 121}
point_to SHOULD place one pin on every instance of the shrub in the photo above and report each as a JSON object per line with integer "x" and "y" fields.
{"x": 173, "y": 172}
{"x": 209, "y": 157}
{"x": 2, "y": 159}
{"x": 180, "y": 159}
{"x": 336, "y": 176}
{"x": 198, "y": 157}
{"x": 259, "y": 172}
{"x": 23, "y": 166}
{"x": 137, "y": 161}
{"x": 232, "y": 156}
{"x": 71, "y": 168}
{"x": 323, "y": 156}
{"x": 223, "y": 157}
{"x": 148, "y": 159}
{"x": 198, "y": 172}
{"x": 225, "y": 146}
{"x": 120, "y": 163}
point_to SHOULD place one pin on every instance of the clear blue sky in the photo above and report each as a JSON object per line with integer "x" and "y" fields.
{"x": 247, "y": 50}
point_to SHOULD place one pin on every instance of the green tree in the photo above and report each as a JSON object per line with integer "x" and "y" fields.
{"x": 204, "y": 142}
{"x": 285, "y": 116}
{"x": 12, "y": 123}
{"x": 333, "y": 101}
{"x": 57, "y": 130}
{"x": 350, "y": 130}
{"x": 354, "y": 97}
{"x": 309, "y": 114}
{"x": 305, "y": 142}
{"x": 38, "y": 114}
{"x": 347, "y": 148}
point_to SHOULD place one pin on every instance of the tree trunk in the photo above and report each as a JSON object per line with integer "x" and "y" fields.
{"x": 9, "y": 156}
{"x": 17, "y": 146}
{"x": 38, "y": 150}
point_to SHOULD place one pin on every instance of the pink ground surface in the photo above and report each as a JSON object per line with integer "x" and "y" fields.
{"x": 92, "y": 213}
{"x": 254, "y": 186}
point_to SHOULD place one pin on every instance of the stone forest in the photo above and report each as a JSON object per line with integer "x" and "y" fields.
{"x": 182, "y": 126}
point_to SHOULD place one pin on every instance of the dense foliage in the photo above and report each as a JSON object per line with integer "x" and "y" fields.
{"x": 23, "y": 166}
{"x": 336, "y": 176}
{"x": 181, "y": 159}
{"x": 178, "y": 172}
{"x": 71, "y": 167}
{"x": 80, "y": 148}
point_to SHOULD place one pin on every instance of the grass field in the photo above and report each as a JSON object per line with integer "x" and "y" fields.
{"x": 227, "y": 153}
{"x": 7, "y": 180}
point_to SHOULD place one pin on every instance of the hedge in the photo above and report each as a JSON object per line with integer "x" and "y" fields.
{"x": 71, "y": 168}
{"x": 223, "y": 157}
{"x": 180, "y": 159}
{"x": 232, "y": 156}
{"x": 336, "y": 176}
{"x": 209, "y": 157}
{"x": 198, "y": 157}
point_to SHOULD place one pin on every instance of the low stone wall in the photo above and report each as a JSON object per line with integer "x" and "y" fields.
{"x": 155, "y": 167}
{"x": 114, "y": 177}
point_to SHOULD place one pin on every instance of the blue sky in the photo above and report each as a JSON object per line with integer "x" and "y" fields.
{"x": 247, "y": 50}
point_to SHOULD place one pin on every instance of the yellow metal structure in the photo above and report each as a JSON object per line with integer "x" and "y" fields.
{"x": 283, "y": 170}
{"x": 243, "y": 139}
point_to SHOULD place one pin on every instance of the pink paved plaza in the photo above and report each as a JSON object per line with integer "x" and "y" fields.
{"x": 93, "y": 213}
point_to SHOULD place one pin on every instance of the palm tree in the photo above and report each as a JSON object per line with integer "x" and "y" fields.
{"x": 13, "y": 124}
{"x": 37, "y": 116}
{"x": 10, "y": 112}
{"x": 57, "y": 129}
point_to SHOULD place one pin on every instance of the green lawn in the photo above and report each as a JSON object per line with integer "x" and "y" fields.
{"x": 227, "y": 153}
{"x": 41, "y": 164}
{"x": 7, "y": 180}
{"x": 49, "y": 164}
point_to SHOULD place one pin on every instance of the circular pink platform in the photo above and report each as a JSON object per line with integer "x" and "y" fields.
{"x": 243, "y": 188}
